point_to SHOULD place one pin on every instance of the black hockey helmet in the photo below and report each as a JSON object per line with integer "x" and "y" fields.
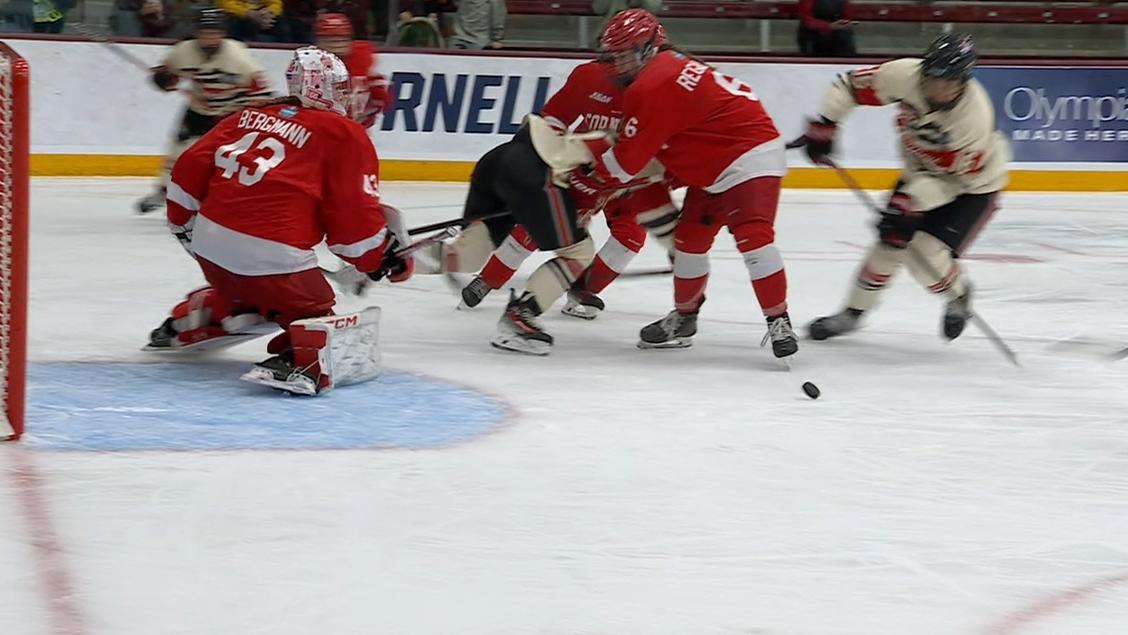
{"x": 211, "y": 18}
{"x": 950, "y": 56}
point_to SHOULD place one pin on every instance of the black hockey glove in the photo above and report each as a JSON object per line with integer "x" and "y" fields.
{"x": 394, "y": 268}
{"x": 819, "y": 139}
{"x": 165, "y": 79}
{"x": 898, "y": 222}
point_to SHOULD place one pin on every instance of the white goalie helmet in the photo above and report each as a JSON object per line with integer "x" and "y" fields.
{"x": 320, "y": 80}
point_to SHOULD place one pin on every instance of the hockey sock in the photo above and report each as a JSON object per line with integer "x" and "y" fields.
{"x": 691, "y": 275}
{"x": 934, "y": 267}
{"x": 550, "y": 280}
{"x": 468, "y": 252}
{"x": 611, "y": 261}
{"x": 507, "y": 258}
{"x": 876, "y": 270}
{"x": 769, "y": 281}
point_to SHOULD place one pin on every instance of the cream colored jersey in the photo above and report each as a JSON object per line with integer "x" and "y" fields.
{"x": 946, "y": 153}
{"x": 221, "y": 83}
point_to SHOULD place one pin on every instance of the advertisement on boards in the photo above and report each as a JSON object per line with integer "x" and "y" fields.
{"x": 1061, "y": 115}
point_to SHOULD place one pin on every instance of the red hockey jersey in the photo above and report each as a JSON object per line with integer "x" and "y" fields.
{"x": 266, "y": 185}
{"x": 708, "y": 129}
{"x": 588, "y": 100}
{"x": 370, "y": 89}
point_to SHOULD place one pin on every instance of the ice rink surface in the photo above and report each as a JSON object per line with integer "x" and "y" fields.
{"x": 933, "y": 489}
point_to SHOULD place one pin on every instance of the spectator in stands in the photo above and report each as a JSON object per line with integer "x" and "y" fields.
{"x": 479, "y": 24}
{"x": 253, "y": 20}
{"x": 16, "y": 15}
{"x": 142, "y": 18}
{"x": 826, "y": 28}
{"x": 50, "y": 16}
{"x": 297, "y": 20}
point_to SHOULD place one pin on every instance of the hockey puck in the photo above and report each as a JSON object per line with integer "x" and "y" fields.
{"x": 811, "y": 390}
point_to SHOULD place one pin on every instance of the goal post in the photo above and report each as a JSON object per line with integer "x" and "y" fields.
{"x": 14, "y": 170}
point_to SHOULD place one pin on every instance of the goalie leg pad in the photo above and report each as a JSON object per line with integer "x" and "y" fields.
{"x": 335, "y": 351}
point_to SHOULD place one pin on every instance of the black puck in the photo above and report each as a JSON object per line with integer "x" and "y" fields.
{"x": 812, "y": 390}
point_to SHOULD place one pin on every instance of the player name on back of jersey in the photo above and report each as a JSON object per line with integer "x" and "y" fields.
{"x": 291, "y": 131}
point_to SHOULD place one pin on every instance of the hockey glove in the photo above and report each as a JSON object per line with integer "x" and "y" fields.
{"x": 898, "y": 222}
{"x": 394, "y": 268}
{"x": 165, "y": 79}
{"x": 819, "y": 140}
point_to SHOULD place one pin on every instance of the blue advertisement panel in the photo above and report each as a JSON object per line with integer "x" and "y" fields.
{"x": 1061, "y": 114}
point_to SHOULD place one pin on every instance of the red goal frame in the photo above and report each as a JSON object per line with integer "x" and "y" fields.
{"x": 14, "y": 182}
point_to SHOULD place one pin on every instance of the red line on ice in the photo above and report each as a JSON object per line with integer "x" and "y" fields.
{"x": 58, "y": 587}
{"x": 1056, "y": 603}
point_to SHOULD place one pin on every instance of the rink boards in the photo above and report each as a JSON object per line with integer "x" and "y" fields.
{"x": 1068, "y": 125}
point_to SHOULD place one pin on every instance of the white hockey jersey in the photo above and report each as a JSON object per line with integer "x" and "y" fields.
{"x": 946, "y": 153}
{"x": 221, "y": 83}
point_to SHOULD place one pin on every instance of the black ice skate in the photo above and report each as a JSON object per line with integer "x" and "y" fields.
{"x": 518, "y": 329}
{"x": 160, "y": 338}
{"x": 279, "y": 372}
{"x": 782, "y": 336}
{"x": 834, "y": 325}
{"x": 152, "y": 202}
{"x": 956, "y": 314}
{"x": 474, "y": 292}
{"x": 583, "y": 304}
{"x": 676, "y": 330}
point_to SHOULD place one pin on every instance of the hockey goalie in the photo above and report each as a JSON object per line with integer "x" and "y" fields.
{"x": 251, "y": 199}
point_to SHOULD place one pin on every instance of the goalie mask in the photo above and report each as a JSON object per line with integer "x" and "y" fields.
{"x": 319, "y": 79}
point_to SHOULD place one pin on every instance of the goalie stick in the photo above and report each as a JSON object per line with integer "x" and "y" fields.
{"x": 864, "y": 197}
{"x": 355, "y": 282}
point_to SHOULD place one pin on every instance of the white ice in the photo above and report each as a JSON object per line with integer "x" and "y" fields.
{"x": 933, "y": 489}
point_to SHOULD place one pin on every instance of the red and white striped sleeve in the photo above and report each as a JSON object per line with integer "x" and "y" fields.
{"x": 356, "y": 229}
{"x": 870, "y": 86}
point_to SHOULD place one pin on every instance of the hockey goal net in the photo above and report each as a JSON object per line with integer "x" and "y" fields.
{"x": 14, "y": 111}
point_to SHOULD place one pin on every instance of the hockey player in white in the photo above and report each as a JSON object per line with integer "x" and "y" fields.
{"x": 223, "y": 77}
{"x": 955, "y": 164}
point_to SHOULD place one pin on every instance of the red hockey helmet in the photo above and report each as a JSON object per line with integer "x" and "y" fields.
{"x": 333, "y": 25}
{"x": 629, "y": 40}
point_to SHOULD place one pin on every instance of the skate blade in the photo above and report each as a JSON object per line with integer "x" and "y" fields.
{"x": 204, "y": 346}
{"x": 518, "y": 345}
{"x": 456, "y": 282}
{"x": 580, "y": 311}
{"x": 680, "y": 342}
{"x": 298, "y": 385}
{"x": 462, "y": 306}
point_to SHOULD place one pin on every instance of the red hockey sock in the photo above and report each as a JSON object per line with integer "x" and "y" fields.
{"x": 772, "y": 293}
{"x": 689, "y": 293}
{"x": 496, "y": 273}
{"x": 599, "y": 275}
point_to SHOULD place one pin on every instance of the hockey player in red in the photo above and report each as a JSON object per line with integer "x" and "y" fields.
{"x": 589, "y": 100}
{"x": 251, "y": 199}
{"x": 369, "y": 88}
{"x": 711, "y": 132}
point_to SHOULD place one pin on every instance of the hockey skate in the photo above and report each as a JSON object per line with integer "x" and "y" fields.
{"x": 834, "y": 325}
{"x": 518, "y": 329}
{"x": 583, "y": 304}
{"x": 279, "y": 372}
{"x": 676, "y": 330}
{"x": 782, "y": 336}
{"x": 154, "y": 201}
{"x": 956, "y": 314}
{"x": 473, "y": 293}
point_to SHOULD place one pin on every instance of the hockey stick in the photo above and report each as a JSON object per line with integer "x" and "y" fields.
{"x": 867, "y": 200}
{"x": 642, "y": 273}
{"x": 115, "y": 48}
{"x": 355, "y": 282}
{"x": 453, "y": 223}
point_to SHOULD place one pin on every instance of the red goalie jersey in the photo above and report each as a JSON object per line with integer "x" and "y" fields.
{"x": 266, "y": 185}
{"x": 708, "y": 129}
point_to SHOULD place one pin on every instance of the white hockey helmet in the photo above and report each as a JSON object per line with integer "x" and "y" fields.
{"x": 320, "y": 80}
